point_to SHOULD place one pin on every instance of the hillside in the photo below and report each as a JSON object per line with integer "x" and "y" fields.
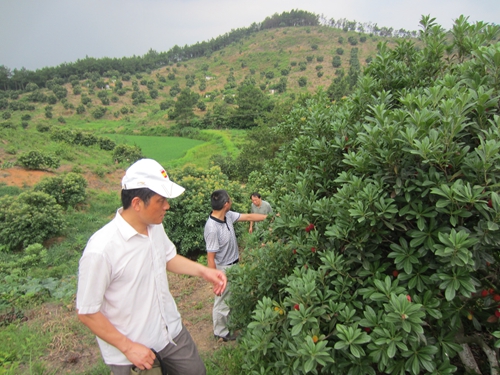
{"x": 141, "y": 103}
{"x": 263, "y": 56}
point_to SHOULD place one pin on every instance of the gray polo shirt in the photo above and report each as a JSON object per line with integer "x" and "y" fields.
{"x": 265, "y": 209}
{"x": 221, "y": 239}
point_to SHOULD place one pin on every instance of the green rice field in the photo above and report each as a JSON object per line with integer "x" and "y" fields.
{"x": 163, "y": 149}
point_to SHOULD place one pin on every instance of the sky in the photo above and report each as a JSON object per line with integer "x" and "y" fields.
{"x": 39, "y": 33}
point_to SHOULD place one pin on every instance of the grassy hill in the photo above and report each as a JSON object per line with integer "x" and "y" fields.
{"x": 264, "y": 56}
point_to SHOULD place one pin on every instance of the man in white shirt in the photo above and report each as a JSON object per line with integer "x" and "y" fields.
{"x": 123, "y": 294}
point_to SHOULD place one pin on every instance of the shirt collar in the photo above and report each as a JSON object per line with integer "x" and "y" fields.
{"x": 126, "y": 230}
{"x": 217, "y": 220}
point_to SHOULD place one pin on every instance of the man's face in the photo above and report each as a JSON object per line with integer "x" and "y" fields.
{"x": 256, "y": 200}
{"x": 155, "y": 210}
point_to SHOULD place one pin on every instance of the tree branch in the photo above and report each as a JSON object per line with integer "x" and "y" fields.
{"x": 468, "y": 358}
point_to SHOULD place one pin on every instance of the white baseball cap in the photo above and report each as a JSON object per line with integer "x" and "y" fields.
{"x": 148, "y": 173}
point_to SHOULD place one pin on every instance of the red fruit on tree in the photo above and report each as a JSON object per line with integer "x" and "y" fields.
{"x": 313, "y": 249}
{"x": 496, "y": 297}
{"x": 309, "y": 228}
{"x": 294, "y": 251}
{"x": 296, "y": 307}
{"x": 484, "y": 293}
{"x": 490, "y": 203}
{"x": 491, "y": 291}
{"x": 367, "y": 329}
{"x": 497, "y": 313}
{"x": 395, "y": 273}
{"x": 408, "y": 298}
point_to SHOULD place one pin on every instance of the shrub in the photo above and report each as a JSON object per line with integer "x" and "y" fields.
{"x": 80, "y": 109}
{"x": 302, "y": 81}
{"x": 32, "y": 217}
{"x": 186, "y": 230}
{"x": 37, "y": 160}
{"x": 153, "y": 93}
{"x": 42, "y": 128}
{"x": 106, "y": 143}
{"x": 127, "y": 154}
{"x": 85, "y": 139}
{"x": 7, "y": 125}
{"x": 201, "y": 105}
{"x": 399, "y": 270}
{"x": 336, "y": 62}
{"x": 352, "y": 40}
{"x": 99, "y": 112}
{"x": 68, "y": 190}
{"x": 62, "y": 135}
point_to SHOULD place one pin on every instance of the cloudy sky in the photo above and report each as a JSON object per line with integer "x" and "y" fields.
{"x": 39, "y": 33}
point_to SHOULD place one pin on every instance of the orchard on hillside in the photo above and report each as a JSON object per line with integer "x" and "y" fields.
{"x": 395, "y": 187}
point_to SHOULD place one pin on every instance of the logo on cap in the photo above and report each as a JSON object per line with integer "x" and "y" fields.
{"x": 164, "y": 173}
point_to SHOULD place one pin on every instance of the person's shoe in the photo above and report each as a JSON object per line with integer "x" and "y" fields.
{"x": 226, "y": 338}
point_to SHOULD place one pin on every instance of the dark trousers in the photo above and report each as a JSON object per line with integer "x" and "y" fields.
{"x": 180, "y": 359}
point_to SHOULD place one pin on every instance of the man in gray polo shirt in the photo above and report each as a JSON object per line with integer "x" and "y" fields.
{"x": 259, "y": 206}
{"x": 222, "y": 251}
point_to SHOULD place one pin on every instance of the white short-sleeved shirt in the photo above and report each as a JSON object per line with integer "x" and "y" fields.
{"x": 221, "y": 239}
{"x": 123, "y": 275}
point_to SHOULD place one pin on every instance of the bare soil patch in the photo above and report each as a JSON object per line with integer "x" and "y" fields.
{"x": 23, "y": 178}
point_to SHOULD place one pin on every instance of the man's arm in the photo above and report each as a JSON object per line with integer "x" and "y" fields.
{"x": 140, "y": 355}
{"x": 211, "y": 260}
{"x": 252, "y": 217}
{"x": 182, "y": 265}
{"x": 250, "y": 230}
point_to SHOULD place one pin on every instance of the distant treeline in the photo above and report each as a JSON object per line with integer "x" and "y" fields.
{"x": 17, "y": 79}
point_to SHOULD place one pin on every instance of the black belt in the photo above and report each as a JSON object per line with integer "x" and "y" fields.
{"x": 236, "y": 261}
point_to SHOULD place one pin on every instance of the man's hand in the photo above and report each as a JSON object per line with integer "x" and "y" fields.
{"x": 141, "y": 356}
{"x": 182, "y": 265}
{"x": 217, "y": 278}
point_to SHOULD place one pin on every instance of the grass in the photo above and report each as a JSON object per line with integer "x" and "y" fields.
{"x": 162, "y": 149}
{"x": 225, "y": 361}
